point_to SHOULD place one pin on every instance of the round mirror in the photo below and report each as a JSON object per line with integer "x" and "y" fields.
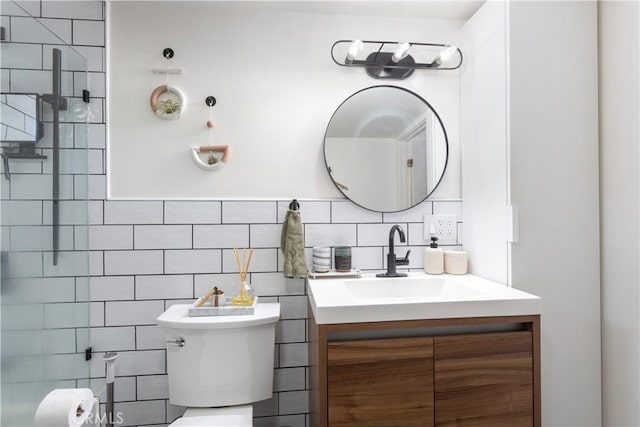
{"x": 386, "y": 148}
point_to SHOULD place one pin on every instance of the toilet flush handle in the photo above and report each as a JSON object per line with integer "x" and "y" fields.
{"x": 178, "y": 342}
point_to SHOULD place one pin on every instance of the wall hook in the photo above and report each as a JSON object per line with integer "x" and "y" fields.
{"x": 168, "y": 53}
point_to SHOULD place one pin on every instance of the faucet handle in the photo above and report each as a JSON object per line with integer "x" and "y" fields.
{"x": 405, "y": 260}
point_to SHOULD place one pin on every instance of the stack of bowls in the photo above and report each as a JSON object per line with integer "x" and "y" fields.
{"x": 321, "y": 259}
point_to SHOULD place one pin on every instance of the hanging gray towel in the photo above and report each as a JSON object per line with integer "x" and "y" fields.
{"x": 292, "y": 245}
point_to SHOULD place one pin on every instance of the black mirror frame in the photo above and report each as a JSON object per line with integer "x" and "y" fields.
{"x": 444, "y": 130}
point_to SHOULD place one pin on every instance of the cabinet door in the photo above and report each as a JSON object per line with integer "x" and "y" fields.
{"x": 484, "y": 379}
{"x": 380, "y": 382}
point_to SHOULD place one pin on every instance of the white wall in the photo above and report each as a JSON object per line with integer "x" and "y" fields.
{"x": 554, "y": 183}
{"x": 276, "y": 87}
{"x": 619, "y": 191}
{"x": 484, "y": 142}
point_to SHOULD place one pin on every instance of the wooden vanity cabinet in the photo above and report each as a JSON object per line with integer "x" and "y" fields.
{"x": 483, "y": 378}
{"x": 380, "y": 382}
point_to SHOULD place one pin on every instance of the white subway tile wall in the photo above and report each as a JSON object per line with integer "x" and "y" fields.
{"x": 192, "y": 212}
{"x": 88, "y": 33}
{"x": 124, "y": 212}
{"x": 163, "y": 237}
{"x": 133, "y": 262}
{"x": 27, "y": 30}
{"x": 195, "y": 242}
{"x": 148, "y": 255}
{"x": 113, "y": 339}
{"x": 347, "y": 212}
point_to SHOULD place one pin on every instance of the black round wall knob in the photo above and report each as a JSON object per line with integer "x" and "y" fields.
{"x": 167, "y": 53}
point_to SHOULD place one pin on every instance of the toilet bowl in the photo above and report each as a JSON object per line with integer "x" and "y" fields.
{"x": 219, "y": 365}
{"x": 230, "y": 416}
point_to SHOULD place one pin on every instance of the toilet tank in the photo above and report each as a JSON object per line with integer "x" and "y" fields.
{"x": 225, "y": 360}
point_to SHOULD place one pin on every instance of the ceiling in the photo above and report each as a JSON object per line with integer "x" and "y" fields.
{"x": 460, "y": 10}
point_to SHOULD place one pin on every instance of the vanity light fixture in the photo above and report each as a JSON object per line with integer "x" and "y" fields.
{"x": 395, "y": 60}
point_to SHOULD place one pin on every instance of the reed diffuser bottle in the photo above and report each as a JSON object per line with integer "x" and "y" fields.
{"x": 245, "y": 297}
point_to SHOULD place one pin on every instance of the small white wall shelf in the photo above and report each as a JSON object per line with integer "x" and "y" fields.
{"x": 204, "y": 165}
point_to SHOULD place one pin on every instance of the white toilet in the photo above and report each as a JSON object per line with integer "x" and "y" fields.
{"x": 219, "y": 365}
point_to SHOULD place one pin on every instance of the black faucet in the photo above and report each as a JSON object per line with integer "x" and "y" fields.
{"x": 392, "y": 262}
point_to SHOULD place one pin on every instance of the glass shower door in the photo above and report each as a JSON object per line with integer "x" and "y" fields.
{"x": 43, "y": 220}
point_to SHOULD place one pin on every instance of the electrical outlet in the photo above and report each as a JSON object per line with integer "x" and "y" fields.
{"x": 444, "y": 227}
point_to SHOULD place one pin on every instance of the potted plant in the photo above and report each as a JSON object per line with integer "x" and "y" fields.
{"x": 212, "y": 160}
{"x": 168, "y": 109}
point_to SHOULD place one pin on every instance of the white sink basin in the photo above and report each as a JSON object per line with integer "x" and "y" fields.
{"x": 408, "y": 288}
{"x": 419, "y": 296}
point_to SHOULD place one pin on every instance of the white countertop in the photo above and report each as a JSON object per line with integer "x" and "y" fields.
{"x": 418, "y": 296}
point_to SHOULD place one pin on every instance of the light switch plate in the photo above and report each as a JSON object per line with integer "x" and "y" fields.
{"x": 444, "y": 227}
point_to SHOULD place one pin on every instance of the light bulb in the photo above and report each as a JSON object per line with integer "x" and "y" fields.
{"x": 401, "y": 52}
{"x": 445, "y": 54}
{"x": 355, "y": 48}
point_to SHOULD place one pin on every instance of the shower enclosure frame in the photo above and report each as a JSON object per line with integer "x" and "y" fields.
{"x": 44, "y": 285}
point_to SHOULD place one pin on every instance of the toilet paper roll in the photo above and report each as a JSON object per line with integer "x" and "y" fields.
{"x": 94, "y": 420}
{"x": 64, "y": 407}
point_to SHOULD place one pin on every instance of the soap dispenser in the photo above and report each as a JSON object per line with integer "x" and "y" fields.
{"x": 433, "y": 258}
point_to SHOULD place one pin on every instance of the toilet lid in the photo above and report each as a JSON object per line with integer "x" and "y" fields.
{"x": 177, "y": 317}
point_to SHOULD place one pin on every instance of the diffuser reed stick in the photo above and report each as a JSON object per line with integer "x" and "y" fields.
{"x": 246, "y": 296}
